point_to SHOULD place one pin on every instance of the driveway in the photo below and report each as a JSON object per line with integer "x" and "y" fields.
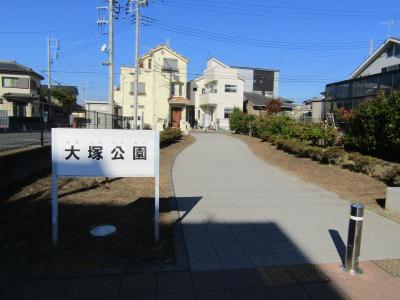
{"x": 240, "y": 212}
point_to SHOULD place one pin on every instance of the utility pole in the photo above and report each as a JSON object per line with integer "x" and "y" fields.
{"x": 111, "y": 60}
{"x": 49, "y": 75}
{"x": 137, "y": 66}
{"x": 101, "y": 21}
{"x": 49, "y": 62}
{"x": 138, "y": 3}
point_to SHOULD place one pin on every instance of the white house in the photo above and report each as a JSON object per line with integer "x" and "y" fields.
{"x": 385, "y": 59}
{"x": 216, "y": 94}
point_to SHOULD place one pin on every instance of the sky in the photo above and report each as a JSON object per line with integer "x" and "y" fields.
{"x": 311, "y": 42}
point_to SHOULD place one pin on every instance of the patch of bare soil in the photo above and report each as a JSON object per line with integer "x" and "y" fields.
{"x": 127, "y": 203}
{"x": 352, "y": 186}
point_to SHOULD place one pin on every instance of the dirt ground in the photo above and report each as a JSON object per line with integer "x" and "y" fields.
{"x": 127, "y": 203}
{"x": 354, "y": 187}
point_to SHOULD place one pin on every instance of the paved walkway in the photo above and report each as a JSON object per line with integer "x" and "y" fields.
{"x": 240, "y": 212}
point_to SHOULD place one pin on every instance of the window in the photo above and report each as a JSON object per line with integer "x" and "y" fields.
{"x": 384, "y": 70}
{"x": 330, "y": 92}
{"x": 195, "y": 89}
{"x": 396, "y": 80}
{"x": 170, "y": 64}
{"x": 397, "y": 50}
{"x": 393, "y": 68}
{"x": 227, "y": 112}
{"x": 15, "y": 82}
{"x": 389, "y": 51}
{"x": 180, "y": 89}
{"x": 230, "y": 88}
{"x": 385, "y": 82}
{"x": 34, "y": 85}
{"x": 359, "y": 88}
{"x": 371, "y": 86}
{"x": 141, "y": 88}
{"x": 149, "y": 63}
{"x": 343, "y": 91}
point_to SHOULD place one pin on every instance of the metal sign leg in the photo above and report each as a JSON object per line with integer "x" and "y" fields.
{"x": 54, "y": 209}
{"x": 157, "y": 209}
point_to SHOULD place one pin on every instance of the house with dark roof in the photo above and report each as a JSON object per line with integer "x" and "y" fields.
{"x": 260, "y": 80}
{"x": 380, "y": 71}
{"x": 19, "y": 92}
{"x": 255, "y": 103}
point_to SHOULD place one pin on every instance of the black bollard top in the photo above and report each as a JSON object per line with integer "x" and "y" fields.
{"x": 357, "y": 210}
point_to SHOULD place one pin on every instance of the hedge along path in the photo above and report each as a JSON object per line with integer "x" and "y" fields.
{"x": 349, "y": 185}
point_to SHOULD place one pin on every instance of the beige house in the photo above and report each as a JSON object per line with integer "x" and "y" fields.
{"x": 162, "y": 89}
{"x": 19, "y": 92}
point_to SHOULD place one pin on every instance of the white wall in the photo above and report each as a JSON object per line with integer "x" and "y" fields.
{"x": 248, "y": 75}
{"x": 220, "y": 76}
{"x": 381, "y": 62}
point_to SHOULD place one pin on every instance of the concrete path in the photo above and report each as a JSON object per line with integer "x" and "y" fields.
{"x": 240, "y": 212}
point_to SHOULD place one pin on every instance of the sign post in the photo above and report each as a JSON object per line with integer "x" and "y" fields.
{"x": 104, "y": 153}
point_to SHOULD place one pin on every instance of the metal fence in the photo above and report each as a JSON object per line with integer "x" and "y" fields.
{"x": 11, "y": 139}
{"x": 15, "y": 140}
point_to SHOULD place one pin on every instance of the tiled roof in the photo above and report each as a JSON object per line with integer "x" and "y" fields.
{"x": 260, "y": 100}
{"x": 16, "y": 68}
{"x": 69, "y": 88}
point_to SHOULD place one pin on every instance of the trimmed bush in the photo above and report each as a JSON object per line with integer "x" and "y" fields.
{"x": 169, "y": 136}
{"x": 334, "y": 156}
{"x": 239, "y": 122}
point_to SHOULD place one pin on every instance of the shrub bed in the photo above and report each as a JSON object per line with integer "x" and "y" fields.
{"x": 313, "y": 141}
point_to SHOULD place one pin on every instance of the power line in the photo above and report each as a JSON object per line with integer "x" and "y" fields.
{"x": 276, "y": 11}
{"x": 189, "y": 31}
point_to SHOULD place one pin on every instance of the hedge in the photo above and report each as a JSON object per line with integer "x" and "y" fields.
{"x": 169, "y": 136}
{"x": 320, "y": 143}
{"x": 380, "y": 169}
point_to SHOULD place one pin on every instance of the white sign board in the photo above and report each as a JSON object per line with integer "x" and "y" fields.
{"x": 105, "y": 153}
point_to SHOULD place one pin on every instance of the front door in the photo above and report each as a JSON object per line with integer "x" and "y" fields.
{"x": 176, "y": 116}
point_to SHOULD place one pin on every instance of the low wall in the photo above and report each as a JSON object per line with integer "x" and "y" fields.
{"x": 23, "y": 163}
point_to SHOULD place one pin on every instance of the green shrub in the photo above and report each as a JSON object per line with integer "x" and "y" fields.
{"x": 363, "y": 163}
{"x": 169, "y": 136}
{"x": 374, "y": 127}
{"x": 239, "y": 122}
{"x": 334, "y": 155}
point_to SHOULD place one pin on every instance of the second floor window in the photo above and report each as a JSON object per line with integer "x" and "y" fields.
{"x": 141, "y": 88}
{"x": 230, "y": 88}
{"x": 170, "y": 64}
{"x": 149, "y": 64}
{"x": 15, "y": 82}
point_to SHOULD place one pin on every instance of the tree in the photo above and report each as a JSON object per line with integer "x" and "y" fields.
{"x": 273, "y": 107}
{"x": 65, "y": 97}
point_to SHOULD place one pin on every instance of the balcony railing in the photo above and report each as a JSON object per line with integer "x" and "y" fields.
{"x": 208, "y": 99}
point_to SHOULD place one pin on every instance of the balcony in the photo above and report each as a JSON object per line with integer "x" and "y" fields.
{"x": 208, "y": 99}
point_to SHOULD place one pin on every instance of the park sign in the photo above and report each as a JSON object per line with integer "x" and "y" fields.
{"x": 104, "y": 153}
